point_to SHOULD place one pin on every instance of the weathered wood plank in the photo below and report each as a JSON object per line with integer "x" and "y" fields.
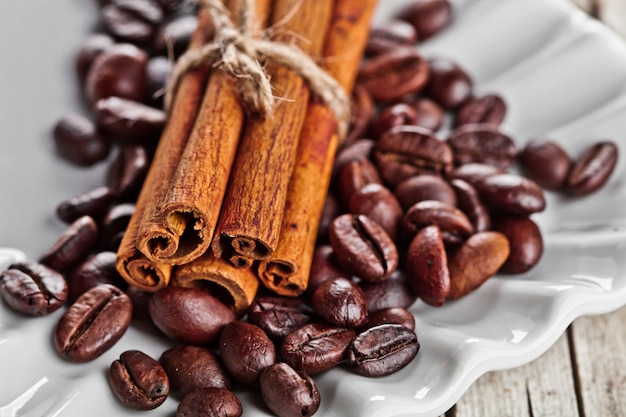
{"x": 599, "y": 345}
{"x": 542, "y": 388}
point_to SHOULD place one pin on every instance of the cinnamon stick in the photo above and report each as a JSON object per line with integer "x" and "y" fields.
{"x": 133, "y": 265}
{"x": 286, "y": 272}
{"x": 249, "y": 223}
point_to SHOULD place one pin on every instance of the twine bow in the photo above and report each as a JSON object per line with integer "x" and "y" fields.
{"x": 238, "y": 52}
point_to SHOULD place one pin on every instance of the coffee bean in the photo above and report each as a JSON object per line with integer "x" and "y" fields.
{"x": 393, "y": 315}
{"x": 324, "y": 266}
{"x": 469, "y": 202}
{"x": 210, "y": 402}
{"x": 382, "y": 350}
{"x": 134, "y": 21}
{"x": 93, "y": 203}
{"x": 97, "y": 269}
{"x": 189, "y": 315}
{"x": 158, "y": 71}
{"x": 91, "y": 47}
{"x": 428, "y": 114}
{"x": 394, "y": 33}
{"x": 525, "y": 243}
{"x": 175, "y": 34}
{"x": 316, "y": 347}
{"x": 448, "y": 85}
{"x": 287, "y": 392}
{"x": 331, "y": 210}
{"x": 127, "y": 172}
{"x": 394, "y": 292}
{"x": 76, "y": 241}
{"x": 279, "y": 316}
{"x": 357, "y": 150}
{"x": 353, "y": 176}
{"x": 424, "y": 187}
{"x": 452, "y": 222}
{"x": 397, "y": 114}
{"x": 475, "y": 172}
{"x": 362, "y": 111}
{"x": 138, "y": 380}
{"x": 379, "y": 204}
{"x": 129, "y": 121}
{"x": 546, "y": 163}
{"x": 32, "y": 288}
{"x": 78, "y": 141}
{"x": 193, "y": 367}
{"x": 483, "y": 143}
{"x": 487, "y": 109}
{"x": 341, "y": 302}
{"x": 114, "y": 224}
{"x": 510, "y": 193}
{"x": 93, "y": 324}
{"x": 246, "y": 350}
{"x": 363, "y": 248}
{"x": 428, "y": 16}
{"x": 592, "y": 169}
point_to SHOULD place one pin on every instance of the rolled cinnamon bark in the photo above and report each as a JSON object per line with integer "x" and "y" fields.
{"x": 286, "y": 272}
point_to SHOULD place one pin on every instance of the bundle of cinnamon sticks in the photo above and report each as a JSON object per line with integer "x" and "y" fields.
{"x": 233, "y": 199}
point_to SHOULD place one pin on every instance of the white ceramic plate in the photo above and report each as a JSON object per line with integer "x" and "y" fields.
{"x": 562, "y": 75}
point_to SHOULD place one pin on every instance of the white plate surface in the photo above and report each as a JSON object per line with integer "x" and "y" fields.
{"x": 562, "y": 75}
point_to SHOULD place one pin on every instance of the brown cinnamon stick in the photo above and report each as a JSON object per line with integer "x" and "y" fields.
{"x": 249, "y": 223}
{"x": 133, "y": 265}
{"x": 286, "y": 272}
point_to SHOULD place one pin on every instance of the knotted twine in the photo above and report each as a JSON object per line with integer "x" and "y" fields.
{"x": 236, "y": 51}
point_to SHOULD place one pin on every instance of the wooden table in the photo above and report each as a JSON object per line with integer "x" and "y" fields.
{"x": 584, "y": 373}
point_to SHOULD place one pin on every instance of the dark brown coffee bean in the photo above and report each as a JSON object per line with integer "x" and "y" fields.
{"x": 393, "y": 315}
{"x": 246, "y": 350}
{"x": 428, "y": 114}
{"x": 363, "y": 248}
{"x": 393, "y": 115}
{"x": 129, "y": 121}
{"x": 393, "y": 74}
{"x": 428, "y": 16}
{"x": 405, "y": 151}
{"x": 192, "y": 367}
{"x": 174, "y": 35}
{"x": 189, "y": 315}
{"x": 487, "y": 109}
{"x": 453, "y": 223}
{"x": 93, "y": 46}
{"x": 93, "y": 203}
{"x": 119, "y": 71}
{"x": 477, "y": 260}
{"x": 97, "y": 269}
{"x": 427, "y": 266}
{"x": 134, "y": 21}
{"x": 76, "y": 241}
{"x": 592, "y": 169}
{"x": 331, "y": 210}
{"x": 379, "y": 204}
{"x": 127, "y": 172}
{"x": 210, "y": 402}
{"x": 158, "y": 71}
{"x": 475, "y": 172}
{"x": 170, "y": 5}
{"x": 341, "y": 302}
{"x": 114, "y": 224}
{"x": 323, "y": 267}
{"x": 394, "y": 292}
{"x": 510, "y": 193}
{"x": 139, "y": 381}
{"x": 316, "y": 347}
{"x": 93, "y": 324}
{"x": 424, "y": 187}
{"x": 382, "y": 350}
{"x": 141, "y": 314}
{"x": 448, "y": 85}
{"x": 32, "y": 288}
{"x": 78, "y": 141}
{"x": 469, "y": 202}
{"x": 357, "y": 150}
{"x": 525, "y": 243}
{"x": 394, "y": 33}
{"x": 546, "y": 163}
{"x": 287, "y": 392}
{"x": 279, "y": 316}
{"x": 353, "y": 176}
{"x": 363, "y": 110}
{"x": 482, "y": 143}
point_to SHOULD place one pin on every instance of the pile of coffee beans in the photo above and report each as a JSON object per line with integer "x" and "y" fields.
{"x": 409, "y": 215}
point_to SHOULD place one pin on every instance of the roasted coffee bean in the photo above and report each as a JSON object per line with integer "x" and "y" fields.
{"x": 170, "y": 5}
{"x": 359, "y": 149}
{"x": 324, "y": 266}
{"x": 134, "y": 21}
{"x": 379, "y": 204}
{"x": 289, "y": 393}
{"x": 428, "y": 16}
{"x": 546, "y": 163}
{"x": 210, "y": 402}
{"x": 363, "y": 110}
{"x": 382, "y": 350}
{"x": 448, "y": 85}
{"x": 424, "y": 187}
{"x": 393, "y": 115}
{"x": 331, "y": 210}
{"x": 139, "y": 381}
{"x": 129, "y": 121}
{"x": 394, "y": 292}
{"x": 158, "y": 71}
{"x": 316, "y": 347}
{"x": 363, "y": 248}
{"x": 477, "y": 260}
{"x": 510, "y": 193}
{"x": 97, "y": 269}
{"x": 120, "y": 71}
{"x": 193, "y": 367}
{"x": 525, "y": 243}
{"x": 74, "y": 244}
{"x": 32, "y": 288}
{"x": 482, "y": 143}
{"x": 405, "y": 151}
{"x": 354, "y": 176}
{"x": 189, "y": 315}
{"x": 141, "y": 314}
{"x": 341, "y": 302}
{"x": 78, "y": 141}
{"x": 393, "y": 315}
{"x": 246, "y": 350}
{"x": 427, "y": 266}
{"x": 127, "y": 172}
{"x": 93, "y": 324}
{"x": 279, "y": 316}
{"x": 475, "y": 172}
{"x": 394, "y": 33}
{"x": 93, "y": 203}
{"x": 453, "y": 223}
{"x": 174, "y": 35}
{"x": 114, "y": 224}
{"x": 487, "y": 109}
{"x": 93, "y": 46}
{"x": 428, "y": 114}
{"x": 393, "y": 74}
{"x": 592, "y": 169}
{"x": 469, "y": 202}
